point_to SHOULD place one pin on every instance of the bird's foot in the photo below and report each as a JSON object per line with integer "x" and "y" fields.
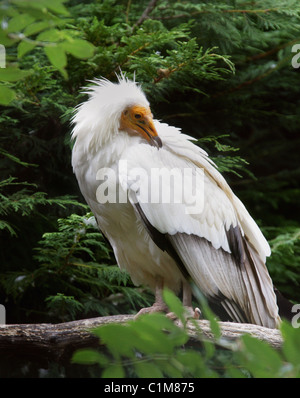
{"x": 156, "y": 307}
{"x": 194, "y": 313}
{"x": 162, "y": 307}
{"x": 190, "y": 312}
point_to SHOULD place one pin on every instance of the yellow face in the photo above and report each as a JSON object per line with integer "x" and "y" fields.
{"x": 138, "y": 120}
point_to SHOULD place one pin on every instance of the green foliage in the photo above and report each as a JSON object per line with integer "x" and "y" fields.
{"x": 42, "y": 25}
{"x": 154, "y": 346}
{"x": 264, "y": 362}
{"x": 150, "y": 346}
{"x": 286, "y": 252}
{"x": 225, "y": 162}
{"x": 221, "y": 71}
{"x": 75, "y": 275}
{"x": 25, "y": 201}
{"x": 63, "y": 307}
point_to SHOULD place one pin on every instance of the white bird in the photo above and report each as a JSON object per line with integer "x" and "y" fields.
{"x": 167, "y": 243}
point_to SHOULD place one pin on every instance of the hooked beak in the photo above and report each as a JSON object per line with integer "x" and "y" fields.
{"x": 156, "y": 141}
{"x": 138, "y": 119}
{"x": 147, "y": 126}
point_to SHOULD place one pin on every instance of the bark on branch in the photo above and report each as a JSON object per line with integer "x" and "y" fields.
{"x": 58, "y": 341}
{"x": 145, "y": 15}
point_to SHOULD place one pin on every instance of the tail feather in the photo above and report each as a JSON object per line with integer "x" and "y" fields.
{"x": 244, "y": 288}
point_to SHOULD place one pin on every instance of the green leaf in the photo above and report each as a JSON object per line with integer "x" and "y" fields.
{"x": 6, "y": 225}
{"x": 12, "y": 74}
{"x": 207, "y": 312}
{"x": 214, "y": 325}
{"x": 89, "y": 357}
{"x": 36, "y": 27}
{"x": 291, "y": 345}
{"x": 79, "y": 48}
{"x": 5, "y": 40}
{"x": 170, "y": 367}
{"x": 57, "y": 57}
{"x": 259, "y": 358}
{"x": 156, "y": 320}
{"x": 174, "y": 304}
{"x": 151, "y": 340}
{"x": 19, "y": 22}
{"x": 113, "y": 371}
{"x": 50, "y": 35}
{"x": 118, "y": 338}
{"x": 24, "y": 47}
{"x": 192, "y": 362}
{"x": 16, "y": 159}
{"x": 147, "y": 369}
{"x": 56, "y": 6}
{"x": 235, "y": 373}
{"x": 6, "y": 95}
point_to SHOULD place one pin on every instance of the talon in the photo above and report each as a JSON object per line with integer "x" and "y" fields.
{"x": 197, "y": 313}
{"x": 156, "y": 307}
{"x": 171, "y": 315}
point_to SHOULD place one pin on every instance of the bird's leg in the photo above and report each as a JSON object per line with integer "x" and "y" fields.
{"x": 159, "y": 305}
{"x": 186, "y": 294}
{"x": 187, "y": 303}
{"x": 187, "y": 300}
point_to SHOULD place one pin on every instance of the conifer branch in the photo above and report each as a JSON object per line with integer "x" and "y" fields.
{"x": 147, "y": 11}
{"x": 192, "y": 14}
{"x": 272, "y": 50}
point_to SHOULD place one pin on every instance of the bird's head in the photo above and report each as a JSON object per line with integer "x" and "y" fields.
{"x": 114, "y": 108}
{"x": 137, "y": 119}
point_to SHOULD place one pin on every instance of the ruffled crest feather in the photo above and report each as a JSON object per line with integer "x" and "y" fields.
{"x": 97, "y": 120}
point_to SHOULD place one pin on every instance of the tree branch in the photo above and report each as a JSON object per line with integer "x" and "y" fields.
{"x": 194, "y": 13}
{"x": 147, "y": 11}
{"x": 59, "y": 341}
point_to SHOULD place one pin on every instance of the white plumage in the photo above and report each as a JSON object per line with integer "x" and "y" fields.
{"x": 220, "y": 247}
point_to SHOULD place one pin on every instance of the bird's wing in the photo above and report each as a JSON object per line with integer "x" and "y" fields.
{"x": 219, "y": 245}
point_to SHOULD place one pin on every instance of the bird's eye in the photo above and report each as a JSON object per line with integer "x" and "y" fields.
{"x": 137, "y": 116}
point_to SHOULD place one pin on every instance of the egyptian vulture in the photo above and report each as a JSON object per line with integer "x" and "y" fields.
{"x": 167, "y": 212}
